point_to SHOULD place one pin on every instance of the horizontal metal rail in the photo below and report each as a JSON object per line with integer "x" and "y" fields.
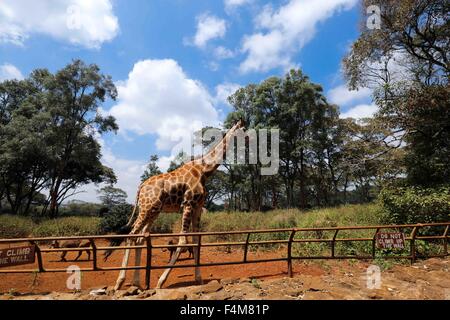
{"x": 293, "y": 236}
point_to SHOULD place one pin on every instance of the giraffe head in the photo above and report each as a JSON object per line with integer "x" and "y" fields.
{"x": 211, "y": 161}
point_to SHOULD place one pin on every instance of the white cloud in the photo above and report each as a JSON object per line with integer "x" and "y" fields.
{"x": 209, "y": 27}
{"x": 80, "y": 22}
{"x": 128, "y": 173}
{"x": 158, "y": 98}
{"x": 9, "y": 72}
{"x": 342, "y": 96}
{"x": 223, "y": 53}
{"x": 224, "y": 90}
{"x": 360, "y": 111}
{"x": 233, "y": 4}
{"x": 285, "y": 31}
{"x": 213, "y": 66}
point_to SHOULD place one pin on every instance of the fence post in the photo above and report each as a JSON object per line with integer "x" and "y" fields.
{"x": 199, "y": 245}
{"x": 94, "y": 252}
{"x": 445, "y": 240}
{"x": 374, "y": 243}
{"x": 291, "y": 237}
{"x": 333, "y": 242}
{"x": 38, "y": 253}
{"x": 413, "y": 245}
{"x": 148, "y": 264}
{"x": 246, "y": 247}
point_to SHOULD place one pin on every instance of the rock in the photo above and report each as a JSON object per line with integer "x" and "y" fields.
{"x": 132, "y": 291}
{"x": 317, "y": 295}
{"x": 227, "y": 281}
{"x": 110, "y": 290}
{"x": 101, "y": 297}
{"x": 145, "y": 294}
{"x": 375, "y": 294}
{"x": 120, "y": 293}
{"x": 294, "y": 292}
{"x": 176, "y": 295}
{"x": 210, "y": 287}
{"x": 98, "y": 292}
{"x": 244, "y": 280}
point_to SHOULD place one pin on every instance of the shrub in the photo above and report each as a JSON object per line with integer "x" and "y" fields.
{"x": 15, "y": 226}
{"x": 116, "y": 217}
{"x": 67, "y": 226}
{"x": 165, "y": 223}
{"x": 80, "y": 209}
{"x": 404, "y": 205}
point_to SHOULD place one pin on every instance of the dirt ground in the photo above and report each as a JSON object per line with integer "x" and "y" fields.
{"x": 56, "y": 281}
{"x": 428, "y": 279}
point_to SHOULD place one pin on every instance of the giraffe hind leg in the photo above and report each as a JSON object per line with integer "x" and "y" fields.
{"x": 187, "y": 215}
{"x": 140, "y": 224}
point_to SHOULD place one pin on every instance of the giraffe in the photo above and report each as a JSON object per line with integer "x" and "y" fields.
{"x": 169, "y": 192}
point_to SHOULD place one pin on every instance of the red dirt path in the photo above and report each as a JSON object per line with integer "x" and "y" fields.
{"x": 56, "y": 281}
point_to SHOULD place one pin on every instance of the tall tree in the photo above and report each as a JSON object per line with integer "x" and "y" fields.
{"x": 177, "y": 161}
{"x": 152, "y": 168}
{"x": 110, "y": 196}
{"x": 73, "y": 96}
{"x": 413, "y": 41}
{"x": 298, "y": 108}
{"x": 23, "y": 152}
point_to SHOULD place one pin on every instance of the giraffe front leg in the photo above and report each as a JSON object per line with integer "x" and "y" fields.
{"x": 137, "y": 262}
{"x": 187, "y": 215}
{"x": 123, "y": 272}
{"x": 196, "y": 228}
{"x": 137, "y": 258}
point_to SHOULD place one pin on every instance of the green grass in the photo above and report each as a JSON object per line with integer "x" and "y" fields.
{"x": 348, "y": 215}
{"x": 19, "y": 226}
{"x": 73, "y": 226}
{"x": 15, "y": 226}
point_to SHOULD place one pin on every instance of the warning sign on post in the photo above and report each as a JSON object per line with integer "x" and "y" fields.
{"x": 390, "y": 240}
{"x": 16, "y": 256}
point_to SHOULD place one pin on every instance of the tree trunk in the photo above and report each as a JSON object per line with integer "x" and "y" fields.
{"x": 53, "y": 210}
{"x": 302, "y": 181}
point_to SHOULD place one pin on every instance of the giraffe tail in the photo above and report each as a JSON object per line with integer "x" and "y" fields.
{"x": 124, "y": 229}
{"x": 114, "y": 242}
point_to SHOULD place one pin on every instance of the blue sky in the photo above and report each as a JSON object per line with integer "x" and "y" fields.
{"x": 175, "y": 61}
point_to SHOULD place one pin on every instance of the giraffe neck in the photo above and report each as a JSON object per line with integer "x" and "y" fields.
{"x": 213, "y": 159}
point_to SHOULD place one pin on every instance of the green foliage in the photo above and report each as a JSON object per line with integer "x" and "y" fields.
{"x": 425, "y": 113}
{"x": 12, "y": 226}
{"x": 152, "y": 168}
{"x": 111, "y": 196}
{"x": 405, "y": 62}
{"x": 116, "y": 217}
{"x": 67, "y": 226}
{"x": 166, "y": 223}
{"x": 404, "y": 205}
{"x": 48, "y": 134}
{"x": 177, "y": 162}
{"x": 75, "y": 208}
{"x": 369, "y": 214}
